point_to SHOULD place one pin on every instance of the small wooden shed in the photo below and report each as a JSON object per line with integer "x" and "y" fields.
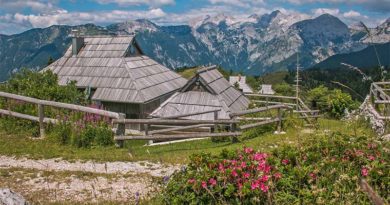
{"x": 207, "y": 90}
{"x": 242, "y": 85}
{"x": 116, "y": 73}
{"x": 266, "y": 89}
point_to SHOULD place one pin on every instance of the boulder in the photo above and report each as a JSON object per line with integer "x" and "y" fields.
{"x": 8, "y": 197}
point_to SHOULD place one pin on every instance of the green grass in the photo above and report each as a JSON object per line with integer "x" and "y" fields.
{"x": 188, "y": 73}
{"x": 25, "y": 146}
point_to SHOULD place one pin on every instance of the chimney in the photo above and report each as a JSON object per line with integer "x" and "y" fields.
{"x": 77, "y": 42}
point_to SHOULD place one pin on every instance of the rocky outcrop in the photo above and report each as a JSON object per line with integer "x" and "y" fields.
{"x": 369, "y": 113}
{"x": 8, "y": 197}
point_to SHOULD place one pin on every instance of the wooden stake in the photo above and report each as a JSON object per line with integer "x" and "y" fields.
{"x": 41, "y": 116}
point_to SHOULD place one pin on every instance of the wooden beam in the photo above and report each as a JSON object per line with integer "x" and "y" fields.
{"x": 183, "y": 136}
{"x": 41, "y": 117}
{"x": 61, "y": 105}
{"x": 272, "y": 96}
{"x": 190, "y": 114}
{"x": 256, "y": 110}
{"x": 306, "y": 111}
{"x": 172, "y": 122}
{"x": 27, "y": 117}
{"x": 254, "y": 118}
{"x": 120, "y": 131}
{"x": 178, "y": 128}
{"x": 249, "y": 126}
{"x": 273, "y": 103}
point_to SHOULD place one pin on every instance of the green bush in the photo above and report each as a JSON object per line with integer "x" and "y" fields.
{"x": 42, "y": 85}
{"x": 334, "y": 102}
{"x": 323, "y": 170}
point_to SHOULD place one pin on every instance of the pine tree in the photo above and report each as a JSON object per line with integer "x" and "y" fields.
{"x": 50, "y": 61}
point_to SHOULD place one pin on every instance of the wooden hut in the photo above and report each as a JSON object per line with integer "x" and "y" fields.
{"x": 207, "y": 90}
{"x": 266, "y": 89}
{"x": 242, "y": 85}
{"x": 115, "y": 73}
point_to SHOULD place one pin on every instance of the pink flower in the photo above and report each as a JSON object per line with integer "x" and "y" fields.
{"x": 246, "y": 175}
{"x": 264, "y": 188}
{"x": 248, "y": 150}
{"x": 260, "y": 156}
{"x": 277, "y": 175}
{"x": 267, "y": 169}
{"x": 359, "y": 153}
{"x": 243, "y": 164}
{"x": 221, "y": 168}
{"x": 255, "y": 185}
{"x": 364, "y": 171}
{"x": 285, "y": 161}
{"x": 234, "y": 173}
{"x": 264, "y": 178}
{"x": 204, "y": 184}
{"x": 371, "y": 158}
{"x": 212, "y": 182}
{"x": 191, "y": 181}
{"x": 313, "y": 176}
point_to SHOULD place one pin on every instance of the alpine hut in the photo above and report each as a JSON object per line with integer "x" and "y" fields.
{"x": 208, "y": 90}
{"x": 266, "y": 89}
{"x": 116, "y": 74}
{"x": 241, "y": 82}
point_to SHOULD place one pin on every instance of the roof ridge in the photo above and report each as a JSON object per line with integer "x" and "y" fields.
{"x": 133, "y": 81}
{"x": 204, "y": 69}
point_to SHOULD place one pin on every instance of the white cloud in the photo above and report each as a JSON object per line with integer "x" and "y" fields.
{"x": 353, "y": 14}
{"x": 320, "y": 11}
{"x": 374, "y": 5}
{"x": 239, "y": 3}
{"x": 43, "y": 6}
{"x": 62, "y": 17}
{"x": 152, "y": 3}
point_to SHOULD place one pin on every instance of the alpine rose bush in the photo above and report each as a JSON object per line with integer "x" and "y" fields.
{"x": 323, "y": 170}
{"x": 242, "y": 177}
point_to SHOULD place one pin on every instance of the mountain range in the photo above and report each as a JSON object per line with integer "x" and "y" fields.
{"x": 255, "y": 45}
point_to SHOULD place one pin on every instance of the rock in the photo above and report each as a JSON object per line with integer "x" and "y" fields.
{"x": 8, "y": 197}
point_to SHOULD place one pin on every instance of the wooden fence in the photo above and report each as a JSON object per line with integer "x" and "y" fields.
{"x": 176, "y": 128}
{"x": 167, "y": 128}
{"x": 380, "y": 100}
{"x": 297, "y": 103}
{"x": 41, "y": 119}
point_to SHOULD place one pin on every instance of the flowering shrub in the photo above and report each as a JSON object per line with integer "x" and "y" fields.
{"x": 324, "y": 170}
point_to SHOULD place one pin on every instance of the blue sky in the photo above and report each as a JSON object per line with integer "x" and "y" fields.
{"x": 19, "y": 15}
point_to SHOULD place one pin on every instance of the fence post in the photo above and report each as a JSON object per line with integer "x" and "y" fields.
{"x": 146, "y": 127}
{"x": 233, "y": 128}
{"x": 215, "y": 118}
{"x": 279, "y": 129}
{"x": 41, "y": 115}
{"x": 120, "y": 130}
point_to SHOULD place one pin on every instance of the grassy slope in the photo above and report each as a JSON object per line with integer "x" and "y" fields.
{"x": 14, "y": 145}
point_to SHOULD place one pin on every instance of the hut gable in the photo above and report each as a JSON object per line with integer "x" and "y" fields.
{"x": 115, "y": 67}
{"x": 207, "y": 90}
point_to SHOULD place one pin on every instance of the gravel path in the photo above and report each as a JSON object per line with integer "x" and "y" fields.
{"x": 60, "y": 181}
{"x": 142, "y": 167}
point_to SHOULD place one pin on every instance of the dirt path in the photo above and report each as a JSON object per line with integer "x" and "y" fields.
{"x": 57, "y": 180}
{"x": 142, "y": 167}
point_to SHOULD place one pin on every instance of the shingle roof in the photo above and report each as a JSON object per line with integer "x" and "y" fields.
{"x": 206, "y": 91}
{"x": 266, "y": 89}
{"x": 102, "y": 64}
{"x": 241, "y": 80}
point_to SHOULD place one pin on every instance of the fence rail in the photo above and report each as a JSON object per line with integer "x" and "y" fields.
{"x": 41, "y": 113}
{"x": 167, "y": 128}
{"x": 378, "y": 96}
